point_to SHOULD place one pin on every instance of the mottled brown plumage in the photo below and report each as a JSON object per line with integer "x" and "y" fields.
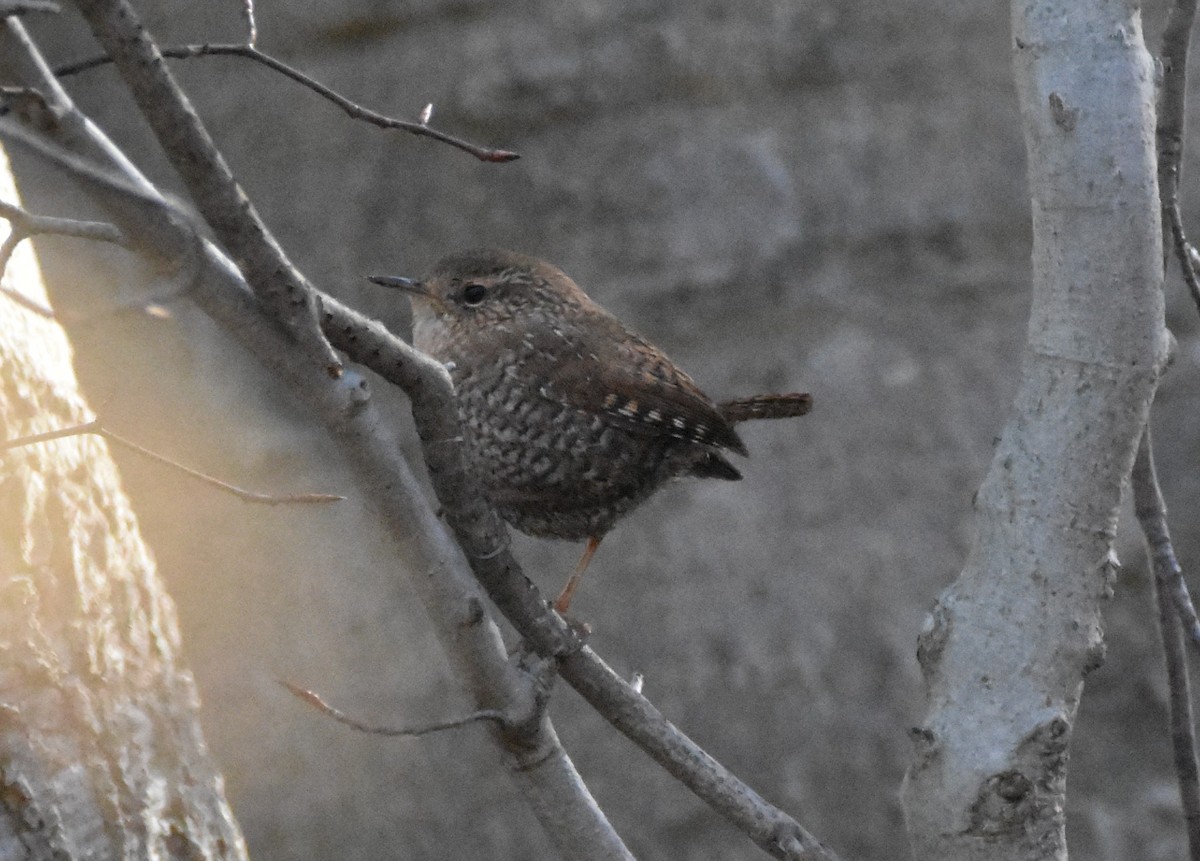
{"x": 570, "y": 419}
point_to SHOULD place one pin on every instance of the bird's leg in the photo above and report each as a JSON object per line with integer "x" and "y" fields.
{"x": 563, "y": 601}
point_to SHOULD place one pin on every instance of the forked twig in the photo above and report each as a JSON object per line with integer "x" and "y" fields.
{"x": 24, "y": 225}
{"x": 352, "y": 109}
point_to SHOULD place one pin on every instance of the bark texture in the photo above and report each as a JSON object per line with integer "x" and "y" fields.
{"x": 1007, "y": 647}
{"x": 101, "y": 754}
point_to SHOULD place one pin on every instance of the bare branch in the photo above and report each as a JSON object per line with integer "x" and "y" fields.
{"x": 484, "y": 541}
{"x": 251, "y": 24}
{"x": 163, "y": 240}
{"x": 1182, "y": 599}
{"x": 532, "y": 753}
{"x": 22, "y": 300}
{"x": 1151, "y": 513}
{"x": 315, "y": 700}
{"x": 1169, "y": 131}
{"x": 23, "y": 7}
{"x": 381, "y": 471}
{"x": 1172, "y": 94}
{"x": 1177, "y": 614}
{"x": 207, "y": 176}
{"x": 20, "y": 99}
{"x": 7, "y": 248}
{"x": 34, "y": 225}
{"x": 353, "y": 109}
{"x": 24, "y": 225}
{"x": 1183, "y": 249}
{"x": 159, "y": 241}
{"x": 61, "y": 433}
{"x": 94, "y": 427}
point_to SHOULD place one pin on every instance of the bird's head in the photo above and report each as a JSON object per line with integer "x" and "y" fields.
{"x": 474, "y": 293}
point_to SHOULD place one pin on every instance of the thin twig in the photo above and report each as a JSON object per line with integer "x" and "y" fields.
{"x": 23, "y": 7}
{"x": 24, "y": 225}
{"x": 1172, "y": 108}
{"x": 35, "y": 225}
{"x": 9, "y": 245}
{"x": 94, "y": 427}
{"x": 209, "y": 180}
{"x": 27, "y": 303}
{"x": 352, "y": 109}
{"x": 1183, "y": 249}
{"x": 251, "y": 24}
{"x": 1151, "y": 513}
{"x": 1182, "y": 599}
{"x": 1177, "y": 615}
{"x": 1172, "y": 117}
{"x": 314, "y": 699}
{"x": 160, "y": 241}
{"x": 1183, "y": 737}
{"x": 171, "y": 236}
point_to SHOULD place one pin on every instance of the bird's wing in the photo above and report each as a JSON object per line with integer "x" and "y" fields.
{"x": 631, "y": 382}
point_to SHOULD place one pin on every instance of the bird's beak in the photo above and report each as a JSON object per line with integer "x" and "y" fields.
{"x": 408, "y": 285}
{"x": 416, "y": 290}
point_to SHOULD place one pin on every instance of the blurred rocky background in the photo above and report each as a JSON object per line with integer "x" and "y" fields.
{"x": 822, "y": 196}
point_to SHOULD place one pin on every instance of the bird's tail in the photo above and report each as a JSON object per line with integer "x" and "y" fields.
{"x": 765, "y": 407}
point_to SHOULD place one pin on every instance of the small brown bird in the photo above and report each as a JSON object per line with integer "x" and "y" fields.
{"x": 570, "y": 420}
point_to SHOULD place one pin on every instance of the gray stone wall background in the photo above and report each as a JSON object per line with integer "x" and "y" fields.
{"x": 818, "y": 196}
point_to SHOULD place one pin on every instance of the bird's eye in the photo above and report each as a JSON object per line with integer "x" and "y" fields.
{"x": 473, "y": 293}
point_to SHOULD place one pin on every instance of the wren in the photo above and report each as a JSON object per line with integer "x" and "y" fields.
{"x": 569, "y": 419}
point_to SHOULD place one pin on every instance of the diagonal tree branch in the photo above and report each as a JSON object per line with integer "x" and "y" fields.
{"x": 1169, "y": 134}
{"x": 1151, "y": 513}
{"x": 208, "y": 178}
{"x": 484, "y": 541}
{"x": 1177, "y": 614}
{"x": 532, "y": 753}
